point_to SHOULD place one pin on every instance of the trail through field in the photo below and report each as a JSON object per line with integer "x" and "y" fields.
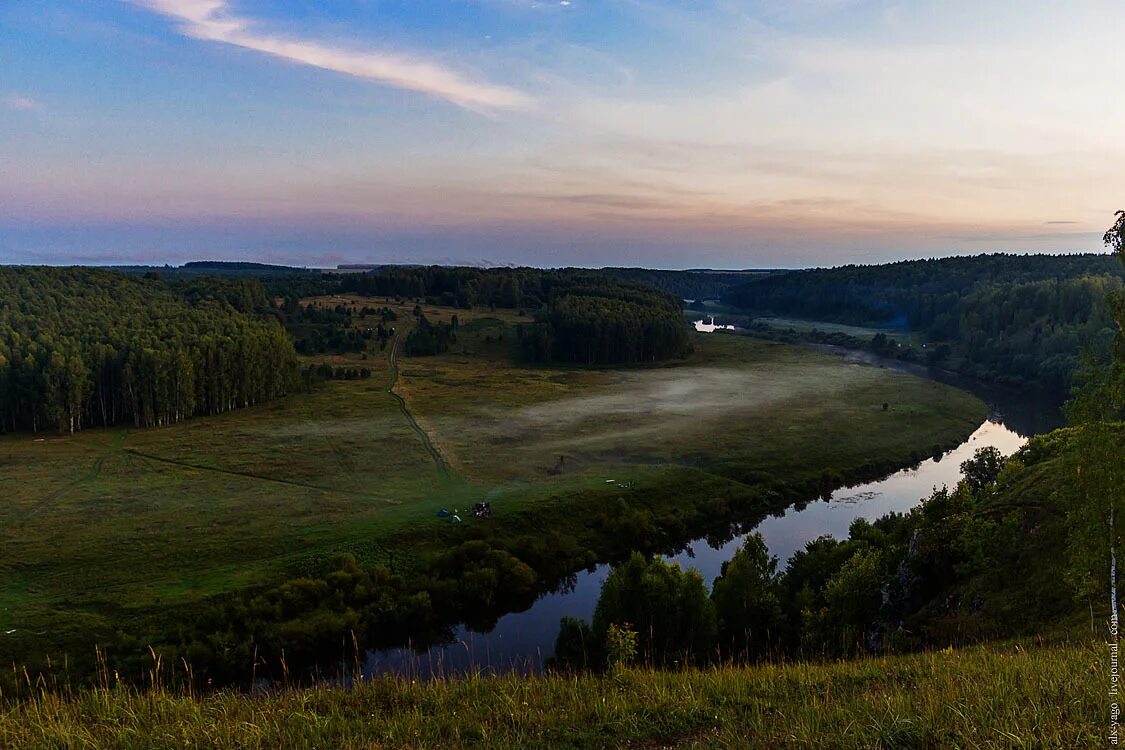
{"x": 231, "y": 472}
{"x": 427, "y": 443}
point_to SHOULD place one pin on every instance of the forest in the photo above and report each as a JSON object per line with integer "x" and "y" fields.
{"x": 465, "y": 287}
{"x": 580, "y": 316}
{"x": 693, "y": 285}
{"x": 83, "y": 347}
{"x": 600, "y": 321}
{"x": 1025, "y": 319}
{"x": 430, "y": 338}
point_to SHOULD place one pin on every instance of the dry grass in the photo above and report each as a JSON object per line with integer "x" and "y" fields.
{"x": 1000, "y": 696}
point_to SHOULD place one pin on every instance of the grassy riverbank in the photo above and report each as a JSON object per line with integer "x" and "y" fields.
{"x": 109, "y": 528}
{"x": 989, "y": 697}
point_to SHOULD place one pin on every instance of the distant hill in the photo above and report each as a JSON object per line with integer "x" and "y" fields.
{"x": 217, "y": 268}
{"x": 1025, "y": 319}
{"x": 238, "y": 266}
{"x": 693, "y": 284}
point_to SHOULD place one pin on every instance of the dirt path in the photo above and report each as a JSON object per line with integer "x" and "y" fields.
{"x": 427, "y": 443}
{"x": 231, "y": 472}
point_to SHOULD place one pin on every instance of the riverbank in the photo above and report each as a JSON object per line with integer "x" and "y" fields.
{"x": 990, "y": 697}
{"x": 524, "y": 641}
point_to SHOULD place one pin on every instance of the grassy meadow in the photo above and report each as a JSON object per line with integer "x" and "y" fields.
{"x": 107, "y": 526}
{"x": 1000, "y": 696}
{"x": 865, "y": 333}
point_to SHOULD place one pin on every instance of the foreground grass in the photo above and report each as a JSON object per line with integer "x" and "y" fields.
{"x": 999, "y": 696}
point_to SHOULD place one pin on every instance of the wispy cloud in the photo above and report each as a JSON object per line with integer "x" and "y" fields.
{"x": 214, "y": 20}
{"x": 20, "y": 102}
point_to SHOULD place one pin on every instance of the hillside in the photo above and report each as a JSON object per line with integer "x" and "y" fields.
{"x": 988, "y": 697}
{"x": 1023, "y": 319}
{"x": 690, "y": 284}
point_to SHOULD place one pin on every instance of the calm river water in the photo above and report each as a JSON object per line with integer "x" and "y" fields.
{"x": 522, "y": 641}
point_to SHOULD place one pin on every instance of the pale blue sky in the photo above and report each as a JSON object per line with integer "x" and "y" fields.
{"x": 640, "y": 132}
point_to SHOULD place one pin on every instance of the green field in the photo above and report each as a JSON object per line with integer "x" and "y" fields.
{"x": 906, "y": 338}
{"x": 107, "y": 526}
{"x": 994, "y": 697}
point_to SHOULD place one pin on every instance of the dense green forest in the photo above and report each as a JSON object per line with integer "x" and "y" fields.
{"x": 693, "y": 285}
{"x": 318, "y": 329}
{"x": 580, "y": 316}
{"x": 529, "y": 288}
{"x": 219, "y": 268}
{"x": 601, "y": 321}
{"x": 1020, "y": 318}
{"x": 430, "y": 338}
{"x": 82, "y": 347}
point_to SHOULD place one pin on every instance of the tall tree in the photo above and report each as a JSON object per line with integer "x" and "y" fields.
{"x": 1097, "y": 410}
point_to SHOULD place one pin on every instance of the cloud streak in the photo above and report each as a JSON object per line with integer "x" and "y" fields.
{"x": 21, "y": 103}
{"x": 214, "y": 21}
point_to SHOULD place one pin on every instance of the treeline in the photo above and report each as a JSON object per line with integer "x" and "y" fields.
{"x": 465, "y": 287}
{"x": 693, "y": 285}
{"x": 1015, "y": 318}
{"x": 219, "y": 268}
{"x": 602, "y": 321}
{"x": 318, "y": 329}
{"x": 527, "y": 288}
{"x": 581, "y": 316}
{"x": 429, "y": 338}
{"x": 245, "y": 294}
{"x": 81, "y": 347}
{"x": 325, "y": 371}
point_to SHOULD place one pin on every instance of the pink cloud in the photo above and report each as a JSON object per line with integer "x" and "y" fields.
{"x": 21, "y": 103}
{"x": 213, "y": 20}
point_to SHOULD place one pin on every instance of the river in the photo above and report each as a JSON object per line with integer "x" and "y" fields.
{"x": 522, "y": 641}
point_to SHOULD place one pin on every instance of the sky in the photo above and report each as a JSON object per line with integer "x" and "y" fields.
{"x": 701, "y": 133}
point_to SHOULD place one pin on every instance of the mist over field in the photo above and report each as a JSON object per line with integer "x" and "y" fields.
{"x": 654, "y": 406}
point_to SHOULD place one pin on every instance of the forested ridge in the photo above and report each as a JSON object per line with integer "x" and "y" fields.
{"x": 693, "y": 285}
{"x": 579, "y": 316}
{"x": 81, "y": 347}
{"x": 510, "y": 287}
{"x": 600, "y": 321}
{"x": 1021, "y": 318}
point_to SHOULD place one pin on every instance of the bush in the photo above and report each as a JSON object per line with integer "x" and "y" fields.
{"x": 668, "y": 608}
{"x": 747, "y": 600}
